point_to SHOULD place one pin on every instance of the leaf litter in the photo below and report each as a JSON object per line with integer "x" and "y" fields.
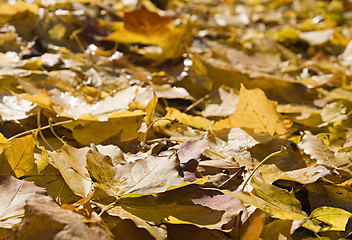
{"x": 164, "y": 119}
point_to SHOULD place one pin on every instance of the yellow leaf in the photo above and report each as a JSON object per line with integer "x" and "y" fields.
{"x": 279, "y": 203}
{"x": 20, "y": 155}
{"x": 88, "y": 129}
{"x": 255, "y": 112}
{"x": 43, "y": 161}
{"x": 193, "y": 121}
{"x": 334, "y": 218}
{"x": 42, "y": 100}
{"x": 3, "y": 143}
{"x": 150, "y": 110}
{"x": 9, "y": 11}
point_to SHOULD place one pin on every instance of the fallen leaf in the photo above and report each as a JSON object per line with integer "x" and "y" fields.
{"x": 277, "y": 202}
{"x": 71, "y": 163}
{"x": 44, "y": 219}
{"x": 67, "y": 105}
{"x": 185, "y": 205}
{"x": 156, "y": 231}
{"x": 332, "y": 219}
{"x": 88, "y": 129}
{"x": 189, "y": 155}
{"x": 254, "y": 112}
{"x": 193, "y": 121}
{"x": 317, "y": 37}
{"x": 143, "y": 26}
{"x": 147, "y": 175}
{"x": 20, "y": 155}
{"x": 41, "y": 100}
{"x": 276, "y": 228}
{"x": 228, "y": 102}
{"x": 307, "y": 175}
{"x": 14, "y": 108}
{"x": 315, "y": 147}
{"x": 14, "y": 194}
{"x": 51, "y": 179}
{"x": 253, "y": 225}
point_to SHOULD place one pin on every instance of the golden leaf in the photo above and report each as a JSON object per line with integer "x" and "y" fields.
{"x": 255, "y": 112}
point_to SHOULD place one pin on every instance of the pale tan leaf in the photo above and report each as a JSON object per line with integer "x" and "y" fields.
{"x": 14, "y": 194}
{"x": 315, "y": 147}
{"x": 71, "y": 163}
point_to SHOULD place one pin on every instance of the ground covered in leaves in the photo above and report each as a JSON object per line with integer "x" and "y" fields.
{"x": 199, "y": 119}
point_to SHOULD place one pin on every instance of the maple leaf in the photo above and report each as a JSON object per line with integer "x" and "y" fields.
{"x": 254, "y": 112}
{"x": 143, "y": 26}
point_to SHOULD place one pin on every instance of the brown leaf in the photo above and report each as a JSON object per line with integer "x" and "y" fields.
{"x": 189, "y": 155}
{"x": 191, "y": 204}
{"x": 145, "y": 22}
{"x": 45, "y": 220}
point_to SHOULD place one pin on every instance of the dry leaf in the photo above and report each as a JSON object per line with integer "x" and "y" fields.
{"x": 20, "y": 155}
{"x": 14, "y": 194}
{"x": 149, "y": 175}
{"x": 43, "y": 219}
{"x": 71, "y": 163}
{"x": 186, "y": 205}
{"x": 254, "y": 112}
{"x": 189, "y": 155}
{"x": 315, "y": 147}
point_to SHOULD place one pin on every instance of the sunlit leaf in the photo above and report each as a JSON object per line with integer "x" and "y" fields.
{"x": 15, "y": 108}
{"x": 193, "y": 121}
{"x": 71, "y": 163}
{"x": 279, "y": 203}
{"x": 14, "y": 194}
{"x": 143, "y": 26}
{"x": 20, "y": 155}
{"x": 315, "y": 147}
{"x": 149, "y": 175}
{"x": 254, "y": 112}
{"x": 335, "y": 219}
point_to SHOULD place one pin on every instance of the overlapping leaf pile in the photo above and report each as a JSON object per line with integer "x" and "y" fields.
{"x": 176, "y": 119}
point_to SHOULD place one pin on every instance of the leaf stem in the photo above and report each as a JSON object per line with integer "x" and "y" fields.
{"x": 41, "y": 128}
{"x": 274, "y": 154}
{"x": 152, "y": 123}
